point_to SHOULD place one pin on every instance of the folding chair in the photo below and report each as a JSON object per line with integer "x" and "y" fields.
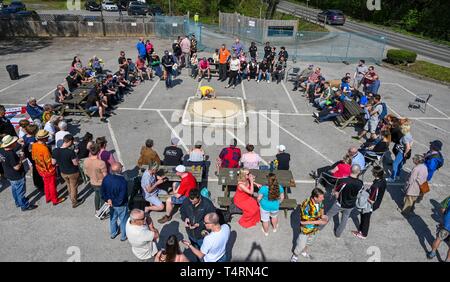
{"x": 420, "y": 103}
{"x": 291, "y": 74}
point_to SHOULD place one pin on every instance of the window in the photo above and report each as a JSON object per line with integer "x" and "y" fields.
{"x": 280, "y": 31}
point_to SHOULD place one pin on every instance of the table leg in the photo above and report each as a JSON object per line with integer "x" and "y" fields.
{"x": 286, "y": 197}
{"x": 63, "y": 109}
{"x": 83, "y": 111}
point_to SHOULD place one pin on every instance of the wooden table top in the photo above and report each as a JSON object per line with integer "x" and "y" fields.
{"x": 169, "y": 172}
{"x": 78, "y": 95}
{"x": 228, "y": 176}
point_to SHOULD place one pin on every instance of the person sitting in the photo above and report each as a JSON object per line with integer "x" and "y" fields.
{"x": 325, "y": 96}
{"x": 279, "y": 70}
{"x": 207, "y": 92}
{"x": 141, "y": 68}
{"x": 229, "y": 157}
{"x": 244, "y": 67}
{"x": 61, "y": 94}
{"x": 377, "y": 148}
{"x": 194, "y": 65}
{"x": 173, "y": 155}
{"x": 48, "y": 113}
{"x": 95, "y": 104}
{"x": 180, "y": 192}
{"x": 302, "y": 77}
{"x": 312, "y": 80}
{"x": 244, "y": 199}
{"x": 282, "y": 158}
{"x": 340, "y": 169}
{"x": 252, "y": 70}
{"x": 131, "y": 72}
{"x": 197, "y": 155}
{"x": 251, "y": 160}
{"x": 171, "y": 252}
{"x": 148, "y": 154}
{"x": 264, "y": 70}
{"x": 357, "y": 157}
{"x": 156, "y": 65}
{"x": 330, "y": 112}
{"x": 76, "y": 65}
{"x": 317, "y": 90}
{"x": 215, "y": 57}
{"x": 96, "y": 64}
{"x": 50, "y": 126}
{"x": 150, "y": 185}
{"x": 73, "y": 81}
{"x": 204, "y": 68}
{"x": 34, "y": 110}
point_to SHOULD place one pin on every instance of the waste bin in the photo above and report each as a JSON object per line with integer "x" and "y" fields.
{"x": 13, "y": 71}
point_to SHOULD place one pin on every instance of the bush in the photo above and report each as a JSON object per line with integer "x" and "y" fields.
{"x": 399, "y": 56}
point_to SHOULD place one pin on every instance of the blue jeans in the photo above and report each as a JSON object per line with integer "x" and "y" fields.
{"x": 267, "y": 75}
{"x": 118, "y": 213}
{"x": 328, "y": 117}
{"x": 157, "y": 70}
{"x": 196, "y": 242}
{"x": 169, "y": 78}
{"x": 398, "y": 164}
{"x": 18, "y": 189}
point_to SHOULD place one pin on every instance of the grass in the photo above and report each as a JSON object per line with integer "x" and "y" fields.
{"x": 48, "y": 4}
{"x": 427, "y": 69}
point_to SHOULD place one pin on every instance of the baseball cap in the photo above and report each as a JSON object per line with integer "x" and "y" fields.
{"x": 282, "y": 148}
{"x": 436, "y": 144}
{"x": 180, "y": 168}
{"x": 174, "y": 141}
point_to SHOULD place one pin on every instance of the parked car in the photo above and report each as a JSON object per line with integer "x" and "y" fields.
{"x": 14, "y": 7}
{"x": 123, "y": 4}
{"x": 109, "y": 6}
{"x": 92, "y": 5}
{"x": 156, "y": 10}
{"x": 138, "y": 8}
{"x": 331, "y": 17}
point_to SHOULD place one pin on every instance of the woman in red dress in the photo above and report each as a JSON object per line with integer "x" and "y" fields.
{"x": 244, "y": 199}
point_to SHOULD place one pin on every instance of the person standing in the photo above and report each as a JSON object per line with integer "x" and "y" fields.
{"x": 244, "y": 199}
{"x": 67, "y": 161}
{"x": 269, "y": 197}
{"x": 140, "y": 46}
{"x": 361, "y": 70}
{"x": 186, "y": 50}
{"x": 14, "y": 171}
{"x": 417, "y": 177}
{"x": 346, "y": 194}
{"x": 167, "y": 62}
{"x": 376, "y": 193}
{"x": 96, "y": 170}
{"x": 311, "y": 219}
{"x": 253, "y": 51}
{"x": 171, "y": 252}
{"x": 215, "y": 242}
{"x": 6, "y": 127}
{"x": 443, "y": 232}
{"x": 45, "y": 167}
{"x": 403, "y": 152}
{"x": 193, "y": 211}
{"x": 433, "y": 158}
{"x": 104, "y": 154}
{"x": 237, "y": 46}
{"x": 224, "y": 55}
{"x": 235, "y": 67}
{"x": 28, "y": 140}
{"x": 142, "y": 235}
{"x": 114, "y": 191}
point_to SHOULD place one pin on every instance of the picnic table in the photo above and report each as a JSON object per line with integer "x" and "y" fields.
{"x": 73, "y": 105}
{"x": 353, "y": 114}
{"x": 170, "y": 173}
{"x": 229, "y": 177}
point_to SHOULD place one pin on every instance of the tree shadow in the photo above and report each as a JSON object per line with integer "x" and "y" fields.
{"x": 258, "y": 249}
{"x": 23, "y": 45}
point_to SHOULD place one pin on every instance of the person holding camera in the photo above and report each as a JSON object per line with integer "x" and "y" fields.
{"x": 150, "y": 183}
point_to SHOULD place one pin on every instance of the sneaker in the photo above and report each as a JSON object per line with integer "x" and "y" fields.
{"x": 227, "y": 86}
{"x": 295, "y": 89}
{"x": 30, "y": 208}
{"x": 265, "y": 234}
{"x": 356, "y": 137}
{"x": 294, "y": 258}
{"x": 233, "y": 87}
{"x": 164, "y": 219}
{"x": 123, "y": 239}
{"x": 358, "y": 234}
{"x": 316, "y": 115}
{"x": 390, "y": 180}
{"x": 275, "y": 229}
{"x": 114, "y": 236}
{"x": 307, "y": 255}
{"x": 431, "y": 255}
{"x": 257, "y": 81}
{"x": 268, "y": 81}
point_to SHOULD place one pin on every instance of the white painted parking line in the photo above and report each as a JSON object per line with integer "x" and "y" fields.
{"x": 289, "y": 96}
{"x": 116, "y": 144}
{"x": 20, "y": 81}
{"x": 434, "y": 126}
{"x": 148, "y": 109}
{"x": 413, "y": 94}
{"x": 244, "y": 95}
{"x": 149, "y": 92}
{"x": 173, "y": 131}
{"x": 297, "y": 138}
{"x": 392, "y": 110}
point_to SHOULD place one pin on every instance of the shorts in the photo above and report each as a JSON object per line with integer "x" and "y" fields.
{"x": 177, "y": 201}
{"x": 92, "y": 109}
{"x": 266, "y": 215}
{"x": 154, "y": 199}
{"x": 371, "y": 126}
{"x": 443, "y": 234}
{"x": 303, "y": 241}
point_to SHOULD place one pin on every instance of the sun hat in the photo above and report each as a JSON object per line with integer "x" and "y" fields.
{"x": 282, "y": 148}
{"x": 42, "y": 134}
{"x": 8, "y": 140}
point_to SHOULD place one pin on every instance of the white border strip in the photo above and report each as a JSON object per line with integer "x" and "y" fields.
{"x": 20, "y": 81}
{"x": 289, "y": 96}
{"x": 149, "y": 92}
{"x": 173, "y": 131}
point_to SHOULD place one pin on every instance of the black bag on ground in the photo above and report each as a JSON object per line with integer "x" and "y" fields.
{"x": 13, "y": 71}
{"x": 136, "y": 200}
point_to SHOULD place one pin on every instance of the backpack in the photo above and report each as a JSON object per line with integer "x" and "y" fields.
{"x": 205, "y": 193}
{"x": 440, "y": 159}
{"x": 383, "y": 112}
{"x": 362, "y": 201}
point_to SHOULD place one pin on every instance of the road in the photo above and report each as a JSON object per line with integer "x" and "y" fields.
{"x": 420, "y": 46}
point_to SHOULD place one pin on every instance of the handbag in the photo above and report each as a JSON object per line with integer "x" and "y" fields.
{"x": 424, "y": 187}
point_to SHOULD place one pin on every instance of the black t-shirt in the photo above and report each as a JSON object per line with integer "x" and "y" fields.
{"x": 57, "y": 94}
{"x": 252, "y": 50}
{"x": 91, "y": 101}
{"x": 9, "y": 160}
{"x": 243, "y": 65}
{"x": 378, "y": 188}
{"x": 381, "y": 147}
{"x": 349, "y": 192}
{"x": 283, "y": 54}
{"x": 271, "y": 56}
{"x": 283, "y": 161}
{"x": 6, "y": 127}
{"x": 396, "y": 135}
{"x": 72, "y": 83}
{"x": 267, "y": 51}
{"x": 167, "y": 61}
{"x": 83, "y": 151}
{"x": 121, "y": 60}
{"x": 252, "y": 67}
{"x": 64, "y": 157}
{"x": 263, "y": 67}
{"x": 172, "y": 155}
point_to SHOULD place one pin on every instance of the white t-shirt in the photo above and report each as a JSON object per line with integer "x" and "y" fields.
{"x": 214, "y": 244}
{"x": 141, "y": 240}
{"x": 51, "y": 129}
{"x": 234, "y": 65}
{"x": 59, "y": 136}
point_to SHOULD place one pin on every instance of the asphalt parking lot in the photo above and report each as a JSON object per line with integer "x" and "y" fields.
{"x": 276, "y": 116}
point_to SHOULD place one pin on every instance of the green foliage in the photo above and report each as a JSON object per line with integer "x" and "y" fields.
{"x": 399, "y": 56}
{"x": 430, "y": 70}
{"x": 411, "y": 20}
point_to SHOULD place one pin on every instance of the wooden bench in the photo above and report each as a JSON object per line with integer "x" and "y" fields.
{"x": 353, "y": 114}
{"x": 287, "y": 204}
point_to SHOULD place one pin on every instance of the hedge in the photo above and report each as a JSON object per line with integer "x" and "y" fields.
{"x": 399, "y": 56}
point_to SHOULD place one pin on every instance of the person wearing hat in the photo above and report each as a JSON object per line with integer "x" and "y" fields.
{"x": 433, "y": 158}
{"x": 417, "y": 177}
{"x": 180, "y": 191}
{"x": 303, "y": 76}
{"x": 173, "y": 155}
{"x": 43, "y": 160}
{"x": 283, "y": 158}
{"x": 167, "y": 62}
{"x": 14, "y": 171}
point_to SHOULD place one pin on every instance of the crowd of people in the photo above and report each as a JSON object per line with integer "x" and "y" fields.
{"x": 46, "y": 147}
